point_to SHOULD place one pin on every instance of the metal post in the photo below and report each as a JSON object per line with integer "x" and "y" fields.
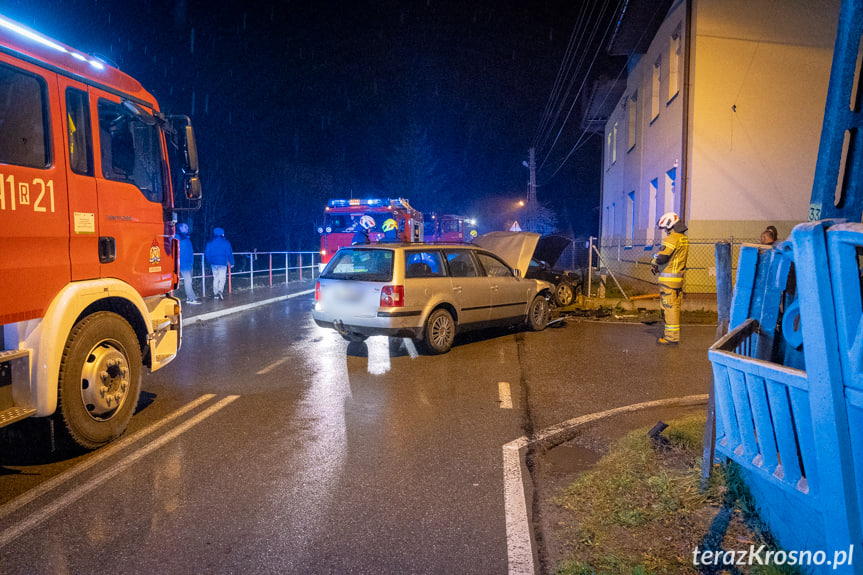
{"x": 271, "y": 269}
{"x": 589, "y": 266}
{"x": 287, "y": 272}
{"x": 203, "y": 276}
{"x": 252, "y": 270}
{"x": 300, "y": 260}
{"x": 723, "y": 309}
{"x": 228, "y": 265}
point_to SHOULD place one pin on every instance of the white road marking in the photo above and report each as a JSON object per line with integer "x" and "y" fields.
{"x": 227, "y": 311}
{"x": 97, "y": 458}
{"x": 505, "y": 396}
{"x": 519, "y": 549}
{"x": 273, "y": 365}
{"x": 518, "y": 541}
{"x": 71, "y": 497}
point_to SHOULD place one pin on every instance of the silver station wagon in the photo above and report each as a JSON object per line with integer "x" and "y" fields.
{"x": 430, "y": 292}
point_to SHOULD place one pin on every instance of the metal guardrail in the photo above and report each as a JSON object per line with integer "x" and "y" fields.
{"x": 256, "y": 269}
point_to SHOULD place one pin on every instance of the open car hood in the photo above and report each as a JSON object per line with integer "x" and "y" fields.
{"x": 550, "y": 248}
{"x": 516, "y": 248}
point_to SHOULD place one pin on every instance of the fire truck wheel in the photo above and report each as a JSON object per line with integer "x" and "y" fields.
{"x": 439, "y": 332}
{"x": 563, "y": 294}
{"x": 100, "y": 379}
{"x": 537, "y": 314}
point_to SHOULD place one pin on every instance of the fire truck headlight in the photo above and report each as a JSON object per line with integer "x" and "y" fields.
{"x": 329, "y": 229}
{"x": 320, "y": 230}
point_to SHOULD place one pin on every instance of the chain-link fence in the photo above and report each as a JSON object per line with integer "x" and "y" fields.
{"x": 629, "y": 263}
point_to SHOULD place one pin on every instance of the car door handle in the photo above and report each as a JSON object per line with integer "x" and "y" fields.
{"x": 457, "y": 289}
{"x": 495, "y": 288}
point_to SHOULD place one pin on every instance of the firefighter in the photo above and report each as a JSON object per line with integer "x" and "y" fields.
{"x": 362, "y": 235}
{"x": 670, "y": 264}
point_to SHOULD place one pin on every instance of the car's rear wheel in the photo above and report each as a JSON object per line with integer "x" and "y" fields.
{"x": 537, "y": 314}
{"x": 439, "y": 332}
{"x": 564, "y": 293}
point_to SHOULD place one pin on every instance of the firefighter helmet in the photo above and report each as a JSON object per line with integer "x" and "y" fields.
{"x": 389, "y": 224}
{"x": 367, "y": 222}
{"x": 667, "y": 220}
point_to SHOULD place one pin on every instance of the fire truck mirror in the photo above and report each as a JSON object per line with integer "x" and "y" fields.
{"x": 193, "y": 188}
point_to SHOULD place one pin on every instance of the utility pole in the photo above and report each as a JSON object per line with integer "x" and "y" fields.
{"x": 531, "y": 185}
{"x": 530, "y": 224}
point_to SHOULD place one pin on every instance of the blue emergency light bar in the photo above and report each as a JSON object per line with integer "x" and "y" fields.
{"x": 375, "y": 202}
{"x": 372, "y": 202}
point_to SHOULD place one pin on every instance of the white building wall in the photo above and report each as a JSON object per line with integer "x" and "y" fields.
{"x": 760, "y": 75}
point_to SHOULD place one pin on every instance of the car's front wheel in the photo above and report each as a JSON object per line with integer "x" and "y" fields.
{"x": 439, "y": 332}
{"x": 564, "y": 294}
{"x": 537, "y": 314}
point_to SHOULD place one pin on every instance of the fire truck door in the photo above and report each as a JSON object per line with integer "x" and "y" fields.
{"x": 78, "y": 155}
{"x": 132, "y": 186}
{"x": 34, "y": 226}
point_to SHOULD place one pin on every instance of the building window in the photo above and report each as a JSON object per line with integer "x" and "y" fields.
{"x": 614, "y": 144}
{"x": 674, "y": 62}
{"x": 608, "y": 147}
{"x": 630, "y": 217}
{"x": 632, "y": 128}
{"x": 670, "y": 190}
{"x": 657, "y": 79}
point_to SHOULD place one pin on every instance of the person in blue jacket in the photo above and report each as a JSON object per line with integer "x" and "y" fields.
{"x": 220, "y": 255}
{"x": 187, "y": 262}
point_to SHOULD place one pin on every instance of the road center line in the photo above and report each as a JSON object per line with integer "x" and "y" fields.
{"x": 505, "y": 395}
{"x": 103, "y": 454}
{"x": 273, "y": 365}
{"x": 71, "y": 497}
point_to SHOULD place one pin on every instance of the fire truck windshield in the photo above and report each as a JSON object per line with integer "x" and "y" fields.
{"x": 340, "y": 223}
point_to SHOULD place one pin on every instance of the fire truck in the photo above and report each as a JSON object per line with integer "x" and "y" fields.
{"x": 342, "y": 222}
{"x": 449, "y": 228}
{"x": 86, "y": 233}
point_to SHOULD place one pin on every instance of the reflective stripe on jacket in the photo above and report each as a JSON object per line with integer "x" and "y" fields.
{"x": 676, "y": 247}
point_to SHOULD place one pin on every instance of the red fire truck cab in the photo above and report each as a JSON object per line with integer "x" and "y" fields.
{"x": 86, "y": 232}
{"x": 342, "y": 223}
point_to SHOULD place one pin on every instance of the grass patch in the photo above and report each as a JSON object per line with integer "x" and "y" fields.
{"x": 640, "y": 509}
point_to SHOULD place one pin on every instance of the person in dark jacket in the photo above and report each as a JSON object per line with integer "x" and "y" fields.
{"x": 220, "y": 255}
{"x": 187, "y": 262}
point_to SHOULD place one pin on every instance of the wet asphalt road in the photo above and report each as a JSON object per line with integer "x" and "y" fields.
{"x": 297, "y": 453}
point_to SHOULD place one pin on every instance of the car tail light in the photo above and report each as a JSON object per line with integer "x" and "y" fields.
{"x": 318, "y": 290}
{"x": 393, "y": 296}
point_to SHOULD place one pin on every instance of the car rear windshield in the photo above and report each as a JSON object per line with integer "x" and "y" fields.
{"x": 360, "y": 265}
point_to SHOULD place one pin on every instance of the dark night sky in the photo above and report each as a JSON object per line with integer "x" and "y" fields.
{"x": 327, "y": 89}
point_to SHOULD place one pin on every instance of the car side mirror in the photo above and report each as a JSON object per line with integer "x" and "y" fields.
{"x": 517, "y": 273}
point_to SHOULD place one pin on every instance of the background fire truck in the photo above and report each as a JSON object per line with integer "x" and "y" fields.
{"x": 448, "y": 228}
{"x": 86, "y": 229}
{"x": 342, "y": 221}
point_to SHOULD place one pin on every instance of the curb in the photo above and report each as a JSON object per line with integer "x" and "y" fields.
{"x": 519, "y": 534}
